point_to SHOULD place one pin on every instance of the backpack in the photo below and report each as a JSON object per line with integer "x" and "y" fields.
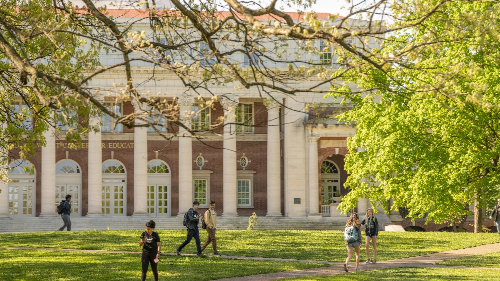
{"x": 60, "y": 208}
{"x": 351, "y": 234}
{"x": 186, "y": 217}
{"x": 203, "y": 224}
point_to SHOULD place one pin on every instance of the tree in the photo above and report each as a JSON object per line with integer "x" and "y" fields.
{"x": 429, "y": 129}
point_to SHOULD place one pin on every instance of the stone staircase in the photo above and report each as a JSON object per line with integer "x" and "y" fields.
{"x": 40, "y": 224}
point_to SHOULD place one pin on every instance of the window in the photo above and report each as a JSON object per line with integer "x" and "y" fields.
{"x": 200, "y": 191}
{"x": 108, "y": 122}
{"x": 67, "y": 167}
{"x": 19, "y": 107}
{"x": 21, "y": 189}
{"x": 114, "y": 188}
{"x": 157, "y": 167}
{"x": 244, "y": 118}
{"x": 205, "y": 52}
{"x": 63, "y": 121}
{"x": 158, "y": 120}
{"x": 253, "y": 57}
{"x": 325, "y": 54}
{"x": 113, "y": 167}
{"x": 329, "y": 168}
{"x": 201, "y": 118}
{"x": 244, "y": 193}
{"x": 162, "y": 53}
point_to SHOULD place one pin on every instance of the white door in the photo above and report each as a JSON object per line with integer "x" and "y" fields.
{"x": 22, "y": 197}
{"x": 74, "y": 190}
{"x": 114, "y": 202}
{"x": 158, "y": 200}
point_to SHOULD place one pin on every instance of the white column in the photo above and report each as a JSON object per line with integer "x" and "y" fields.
{"x": 140, "y": 165}
{"x": 95, "y": 170}
{"x": 4, "y": 187}
{"x": 49, "y": 174}
{"x": 229, "y": 180}
{"x": 185, "y": 157}
{"x": 313, "y": 177}
{"x": 273, "y": 160}
{"x": 363, "y": 206}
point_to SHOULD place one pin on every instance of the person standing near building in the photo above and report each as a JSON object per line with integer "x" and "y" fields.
{"x": 66, "y": 211}
{"x": 191, "y": 220}
{"x": 495, "y": 215}
{"x": 151, "y": 249}
{"x": 352, "y": 238}
{"x": 210, "y": 219}
{"x": 371, "y": 232}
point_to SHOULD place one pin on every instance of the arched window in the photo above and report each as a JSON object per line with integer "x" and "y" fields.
{"x": 157, "y": 167}
{"x": 67, "y": 167}
{"x": 21, "y": 167}
{"x": 112, "y": 167}
{"x": 329, "y": 168}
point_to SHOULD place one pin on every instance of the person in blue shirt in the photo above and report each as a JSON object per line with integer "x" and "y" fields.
{"x": 65, "y": 214}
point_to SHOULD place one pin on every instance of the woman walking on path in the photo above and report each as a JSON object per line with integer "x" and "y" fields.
{"x": 151, "y": 249}
{"x": 352, "y": 236}
{"x": 371, "y": 232}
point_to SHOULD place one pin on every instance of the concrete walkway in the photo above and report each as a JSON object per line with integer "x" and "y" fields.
{"x": 336, "y": 268}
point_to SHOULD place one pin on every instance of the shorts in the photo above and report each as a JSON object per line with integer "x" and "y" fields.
{"x": 353, "y": 244}
{"x": 371, "y": 235}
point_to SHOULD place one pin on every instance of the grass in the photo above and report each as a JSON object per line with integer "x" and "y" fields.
{"x": 488, "y": 260}
{"x": 411, "y": 274}
{"x": 290, "y": 244}
{"x": 60, "y": 265}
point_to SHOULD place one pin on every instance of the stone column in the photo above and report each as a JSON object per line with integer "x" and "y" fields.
{"x": 313, "y": 177}
{"x": 229, "y": 180}
{"x": 140, "y": 165}
{"x": 363, "y": 205}
{"x": 4, "y": 187}
{"x": 49, "y": 174}
{"x": 273, "y": 160}
{"x": 185, "y": 157}
{"x": 95, "y": 170}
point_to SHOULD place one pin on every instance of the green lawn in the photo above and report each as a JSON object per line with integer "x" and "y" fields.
{"x": 488, "y": 260}
{"x": 58, "y": 265}
{"x": 311, "y": 245}
{"x": 411, "y": 274}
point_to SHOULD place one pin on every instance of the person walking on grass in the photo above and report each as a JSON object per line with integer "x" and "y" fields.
{"x": 210, "y": 221}
{"x": 352, "y": 237}
{"x": 495, "y": 215}
{"x": 371, "y": 233}
{"x": 191, "y": 220}
{"x": 66, "y": 211}
{"x": 151, "y": 249}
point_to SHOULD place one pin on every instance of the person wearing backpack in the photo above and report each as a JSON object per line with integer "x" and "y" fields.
{"x": 495, "y": 215}
{"x": 151, "y": 250}
{"x": 191, "y": 220}
{"x": 64, "y": 209}
{"x": 352, "y": 237}
{"x": 210, "y": 223}
{"x": 371, "y": 232}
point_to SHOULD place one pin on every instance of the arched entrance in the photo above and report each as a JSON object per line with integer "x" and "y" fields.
{"x": 114, "y": 189}
{"x": 69, "y": 181}
{"x": 158, "y": 188}
{"x": 330, "y": 186}
{"x": 22, "y": 188}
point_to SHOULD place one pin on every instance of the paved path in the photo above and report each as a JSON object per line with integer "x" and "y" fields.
{"x": 429, "y": 260}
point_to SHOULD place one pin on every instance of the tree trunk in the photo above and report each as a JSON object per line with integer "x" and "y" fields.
{"x": 462, "y": 222}
{"x": 478, "y": 217}
{"x": 454, "y": 226}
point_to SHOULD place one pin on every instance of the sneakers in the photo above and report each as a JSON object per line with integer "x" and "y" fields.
{"x": 374, "y": 261}
{"x": 346, "y": 268}
{"x": 217, "y": 254}
{"x": 357, "y": 269}
{"x": 178, "y": 252}
{"x": 368, "y": 261}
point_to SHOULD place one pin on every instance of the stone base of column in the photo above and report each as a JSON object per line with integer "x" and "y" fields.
{"x": 49, "y": 215}
{"x": 140, "y": 215}
{"x": 229, "y": 215}
{"x": 274, "y": 215}
{"x": 97, "y": 215}
{"x": 314, "y": 215}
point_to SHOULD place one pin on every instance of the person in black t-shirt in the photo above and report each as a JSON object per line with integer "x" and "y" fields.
{"x": 151, "y": 249}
